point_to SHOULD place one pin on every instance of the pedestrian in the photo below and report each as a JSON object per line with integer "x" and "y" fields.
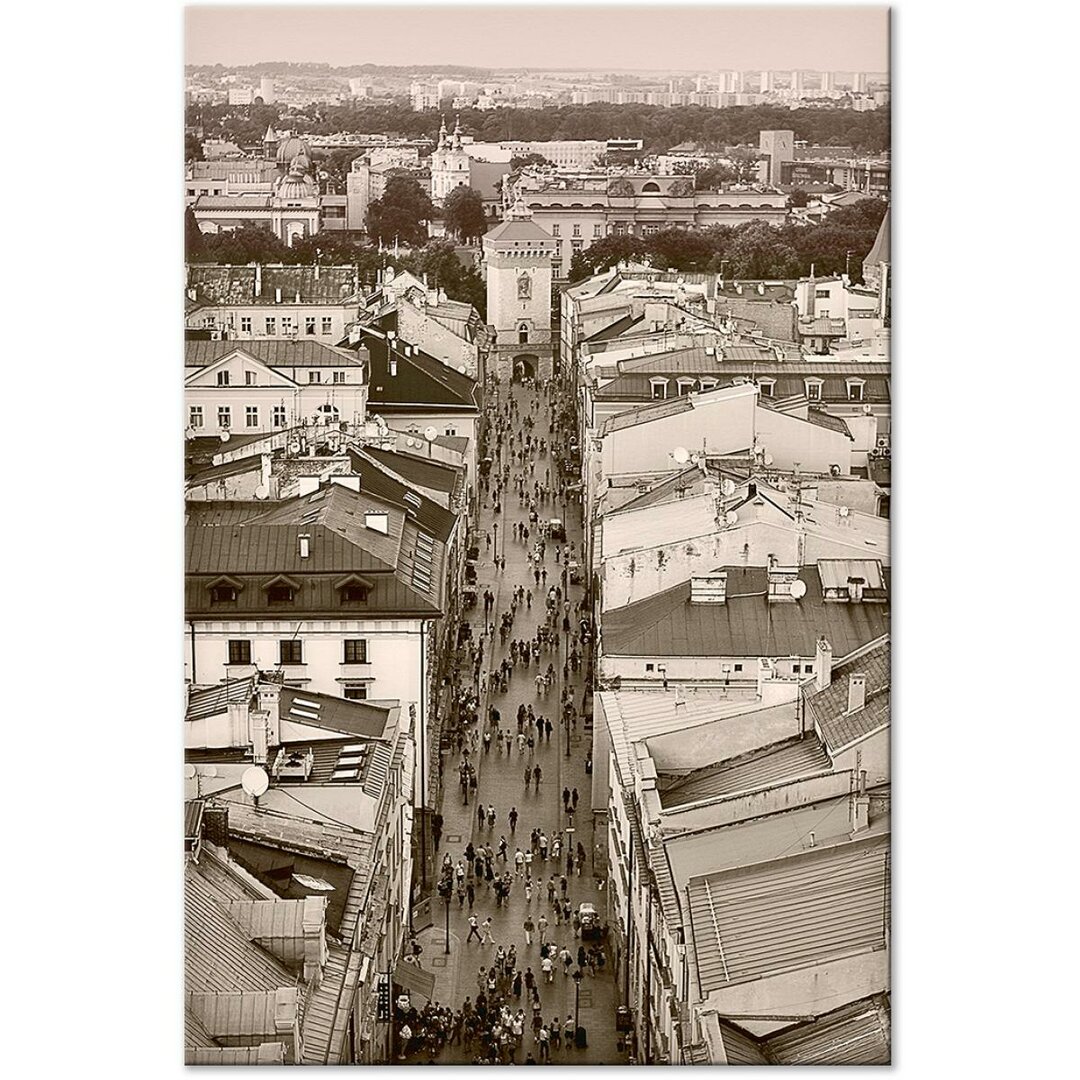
{"x": 542, "y": 926}
{"x": 547, "y": 730}
{"x": 488, "y": 939}
{"x": 474, "y": 928}
{"x": 537, "y": 774}
{"x": 512, "y": 817}
{"x": 564, "y": 885}
{"x": 565, "y": 797}
{"x": 528, "y": 926}
{"x": 470, "y": 892}
{"x": 548, "y": 968}
{"x": 528, "y": 777}
{"x": 574, "y": 799}
{"x": 568, "y": 1032}
{"x": 480, "y": 814}
{"x": 542, "y": 841}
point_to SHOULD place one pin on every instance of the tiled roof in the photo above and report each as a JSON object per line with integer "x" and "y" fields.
{"x": 821, "y": 326}
{"x": 833, "y": 423}
{"x": 828, "y": 707}
{"x": 789, "y": 760}
{"x": 519, "y": 230}
{"x": 805, "y": 909}
{"x": 274, "y": 353}
{"x": 236, "y": 284}
{"x": 668, "y": 624}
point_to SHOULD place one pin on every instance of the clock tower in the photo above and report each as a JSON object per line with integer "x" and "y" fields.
{"x": 517, "y": 271}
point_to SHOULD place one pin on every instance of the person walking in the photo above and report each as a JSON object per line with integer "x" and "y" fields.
{"x": 512, "y": 817}
{"x": 537, "y": 774}
{"x": 548, "y": 968}
{"x": 474, "y": 928}
{"x": 528, "y": 775}
{"x": 542, "y": 927}
{"x": 528, "y": 926}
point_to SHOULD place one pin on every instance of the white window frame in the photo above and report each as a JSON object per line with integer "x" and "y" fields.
{"x": 195, "y": 416}
{"x": 657, "y": 384}
{"x": 271, "y": 324}
{"x": 224, "y": 412}
{"x": 813, "y": 384}
{"x": 223, "y": 378}
{"x": 708, "y": 384}
{"x": 339, "y": 376}
{"x": 251, "y": 416}
{"x": 767, "y": 387}
{"x": 279, "y": 416}
{"x": 853, "y": 384}
{"x": 684, "y": 387}
{"x": 245, "y": 324}
{"x": 327, "y": 325}
{"x": 314, "y": 376}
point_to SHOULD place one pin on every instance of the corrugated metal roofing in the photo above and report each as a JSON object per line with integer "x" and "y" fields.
{"x": 855, "y": 1034}
{"x": 242, "y": 1014}
{"x": 645, "y": 415}
{"x": 668, "y": 624}
{"x": 740, "y": 1047}
{"x": 217, "y": 699}
{"x": 802, "y": 910}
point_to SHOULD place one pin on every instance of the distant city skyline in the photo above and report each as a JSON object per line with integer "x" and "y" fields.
{"x": 553, "y": 36}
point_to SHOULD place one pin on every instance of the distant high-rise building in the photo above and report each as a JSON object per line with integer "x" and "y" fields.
{"x": 859, "y": 82}
{"x": 267, "y": 91}
{"x": 798, "y": 81}
{"x": 828, "y": 81}
{"x": 765, "y": 82}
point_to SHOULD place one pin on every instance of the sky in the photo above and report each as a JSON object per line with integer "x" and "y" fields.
{"x": 704, "y": 37}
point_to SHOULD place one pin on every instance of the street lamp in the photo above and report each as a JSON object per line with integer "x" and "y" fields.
{"x": 577, "y": 999}
{"x": 446, "y": 890}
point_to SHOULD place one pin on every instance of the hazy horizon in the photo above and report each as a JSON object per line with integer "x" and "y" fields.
{"x": 554, "y": 37}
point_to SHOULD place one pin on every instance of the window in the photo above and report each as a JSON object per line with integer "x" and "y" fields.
{"x": 314, "y": 376}
{"x": 650, "y": 667}
{"x": 685, "y": 386}
{"x": 854, "y": 391}
{"x": 223, "y": 378}
{"x": 577, "y": 230}
{"x": 796, "y": 669}
{"x": 356, "y": 651}
{"x": 355, "y": 693}
{"x": 251, "y": 416}
{"x": 279, "y": 416}
{"x": 813, "y": 390}
{"x": 271, "y": 324}
{"x": 523, "y": 334}
{"x": 309, "y": 326}
{"x": 354, "y": 594}
{"x": 339, "y": 376}
{"x": 280, "y": 594}
{"x": 450, "y": 431}
{"x": 808, "y": 669}
{"x": 738, "y": 667}
{"x": 327, "y": 326}
{"x": 577, "y": 244}
{"x": 239, "y": 652}
{"x": 224, "y": 416}
{"x": 659, "y": 389}
{"x": 287, "y": 324}
{"x": 249, "y": 378}
{"x": 766, "y": 387}
{"x": 821, "y": 294}
{"x": 290, "y": 651}
{"x": 223, "y": 594}
{"x": 195, "y": 417}
{"x": 708, "y": 384}
{"x": 597, "y": 231}
{"x": 245, "y": 324}
{"x": 555, "y": 230}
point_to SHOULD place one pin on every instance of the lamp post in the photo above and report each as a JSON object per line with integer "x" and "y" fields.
{"x": 446, "y": 891}
{"x": 577, "y": 999}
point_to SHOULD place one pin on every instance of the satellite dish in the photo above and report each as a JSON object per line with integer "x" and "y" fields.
{"x": 463, "y": 369}
{"x": 843, "y": 511}
{"x": 728, "y": 487}
{"x": 681, "y": 454}
{"x": 190, "y": 772}
{"x": 255, "y": 781}
{"x": 189, "y": 434}
{"x": 225, "y": 436}
{"x": 798, "y": 588}
{"x": 209, "y": 770}
{"x": 768, "y": 459}
{"x": 730, "y": 518}
{"x": 262, "y": 491}
{"x": 294, "y": 446}
{"x": 431, "y": 433}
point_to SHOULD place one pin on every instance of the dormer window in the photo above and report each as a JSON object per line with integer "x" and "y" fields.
{"x": 225, "y": 590}
{"x": 659, "y": 389}
{"x": 813, "y": 389}
{"x": 855, "y": 389}
{"x": 708, "y": 384}
{"x": 685, "y": 386}
{"x": 281, "y": 590}
{"x": 766, "y": 387}
{"x": 354, "y": 589}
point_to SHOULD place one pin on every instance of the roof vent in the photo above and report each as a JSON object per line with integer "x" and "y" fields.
{"x": 709, "y": 589}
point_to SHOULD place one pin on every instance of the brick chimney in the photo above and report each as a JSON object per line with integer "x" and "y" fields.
{"x": 856, "y": 694}
{"x": 823, "y": 663}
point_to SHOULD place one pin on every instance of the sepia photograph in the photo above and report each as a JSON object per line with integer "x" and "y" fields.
{"x": 537, "y": 449}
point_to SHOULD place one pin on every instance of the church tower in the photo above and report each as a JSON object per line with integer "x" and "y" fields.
{"x": 449, "y": 164}
{"x": 517, "y": 271}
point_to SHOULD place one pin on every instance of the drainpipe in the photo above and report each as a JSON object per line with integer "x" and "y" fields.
{"x": 193, "y": 678}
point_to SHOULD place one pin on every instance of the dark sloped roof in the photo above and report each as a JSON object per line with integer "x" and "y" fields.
{"x": 740, "y": 1047}
{"x": 880, "y": 252}
{"x": 645, "y": 415}
{"x": 518, "y": 229}
{"x": 226, "y": 469}
{"x": 274, "y": 353}
{"x": 421, "y": 380}
{"x": 377, "y": 481}
{"x": 854, "y": 1034}
{"x": 425, "y": 472}
{"x": 618, "y": 327}
{"x": 838, "y": 727}
{"x": 668, "y": 624}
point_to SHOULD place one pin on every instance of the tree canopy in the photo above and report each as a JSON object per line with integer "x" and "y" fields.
{"x": 400, "y": 216}
{"x": 463, "y": 213}
{"x": 519, "y": 161}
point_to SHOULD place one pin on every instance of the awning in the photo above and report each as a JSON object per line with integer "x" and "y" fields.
{"x": 414, "y": 979}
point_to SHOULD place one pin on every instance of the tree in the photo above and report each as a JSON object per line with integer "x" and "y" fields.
{"x": 193, "y": 150}
{"x": 249, "y": 243}
{"x": 463, "y": 213}
{"x": 401, "y": 215}
{"x": 444, "y": 268}
{"x": 519, "y": 161}
{"x": 713, "y": 177}
{"x": 797, "y": 198}
{"x": 682, "y": 249}
{"x": 605, "y": 253}
{"x": 194, "y": 244}
{"x": 759, "y": 251}
{"x": 744, "y": 161}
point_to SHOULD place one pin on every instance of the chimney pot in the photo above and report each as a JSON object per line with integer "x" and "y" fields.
{"x": 856, "y": 692}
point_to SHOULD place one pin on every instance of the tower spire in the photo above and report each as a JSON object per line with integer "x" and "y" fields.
{"x": 457, "y": 133}
{"x": 442, "y": 133}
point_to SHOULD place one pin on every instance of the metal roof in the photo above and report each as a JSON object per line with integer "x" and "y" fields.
{"x": 802, "y": 910}
{"x": 855, "y": 1034}
{"x": 277, "y": 353}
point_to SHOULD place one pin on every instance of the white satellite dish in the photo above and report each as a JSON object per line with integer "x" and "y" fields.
{"x": 843, "y": 511}
{"x": 189, "y": 772}
{"x": 728, "y": 487}
{"x": 463, "y": 369}
{"x": 189, "y": 434}
{"x": 255, "y": 781}
{"x": 315, "y": 883}
{"x": 768, "y": 459}
{"x": 798, "y": 588}
{"x": 730, "y": 518}
{"x": 431, "y": 433}
{"x": 681, "y": 454}
{"x": 225, "y": 436}
{"x": 262, "y": 491}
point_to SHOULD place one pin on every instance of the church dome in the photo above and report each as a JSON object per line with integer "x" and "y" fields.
{"x": 297, "y": 182}
{"x": 290, "y": 147}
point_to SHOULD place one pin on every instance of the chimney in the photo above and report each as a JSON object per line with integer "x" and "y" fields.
{"x": 193, "y": 293}
{"x": 761, "y": 288}
{"x": 855, "y": 589}
{"x": 856, "y": 692}
{"x": 316, "y": 271}
{"x": 393, "y": 367}
{"x": 305, "y": 545}
{"x": 709, "y": 588}
{"x": 860, "y": 806}
{"x": 265, "y": 722}
{"x": 823, "y": 664}
{"x": 751, "y": 490}
{"x": 258, "y": 280}
{"x": 277, "y": 296}
{"x": 215, "y": 825}
{"x": 354, "y": 334}
{"x": 313, "y": 922}
{"x": 306, "y": 485}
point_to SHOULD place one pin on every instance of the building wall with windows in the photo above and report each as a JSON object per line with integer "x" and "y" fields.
{"x": 259, "y": 322}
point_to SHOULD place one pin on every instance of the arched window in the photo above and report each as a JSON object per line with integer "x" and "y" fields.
{"x": 651, "y": 187}
{"x": 523, "y": 334}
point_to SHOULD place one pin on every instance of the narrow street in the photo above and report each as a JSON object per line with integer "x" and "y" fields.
{"x": 499, "y": 770}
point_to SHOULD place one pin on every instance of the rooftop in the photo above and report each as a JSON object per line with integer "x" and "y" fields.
{"x": 747, "y": 624}
{"x": 236, "y": 284}
{"x": 273, "y": 353}
{"x": 829, "y": 707}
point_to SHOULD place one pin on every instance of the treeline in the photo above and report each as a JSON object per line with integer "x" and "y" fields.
{"x": 659, "y": 128}
{"x": 751, "y": 251}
